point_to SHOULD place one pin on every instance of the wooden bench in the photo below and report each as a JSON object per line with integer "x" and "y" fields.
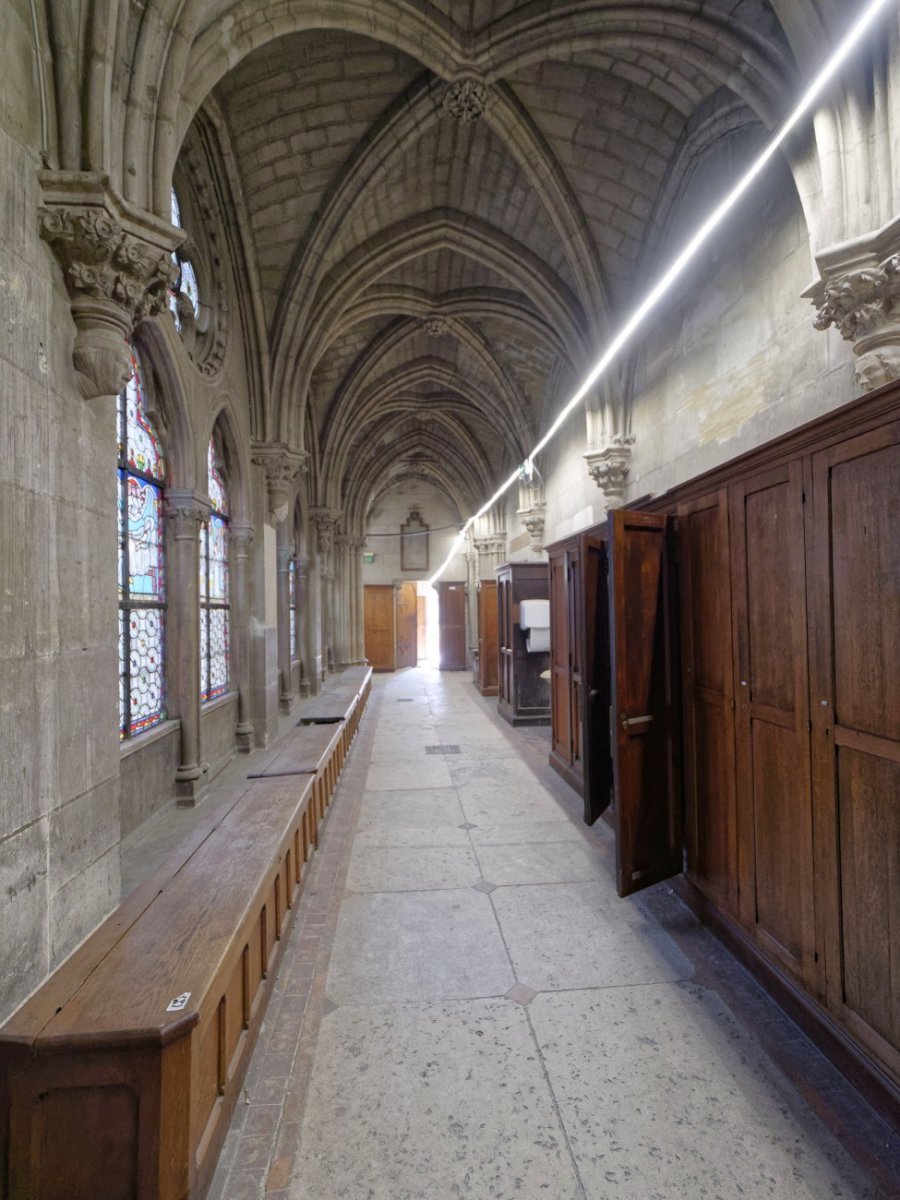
{"x": 119, "y": 1076}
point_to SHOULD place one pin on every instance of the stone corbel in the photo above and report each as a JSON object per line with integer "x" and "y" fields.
{"x": 858, "y": 292}
{"x": 325, "y": 519}
{"x": 609, "y": 466}
{"x": 533, "y": 520}
{"x": 117, "y": 263}
{"x": 282, "y": 467}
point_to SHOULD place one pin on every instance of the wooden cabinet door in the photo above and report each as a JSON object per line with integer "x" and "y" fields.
{"x": 406, "y": 625}
{"x": 560, "y": 660}
{"x": 596, "y": 750}
{"x": 771, "y": 716}
{"x": 487, "y": 636}
{"x": 646, "y": 747}
{"x": 855, "y": 694}
{"x": 708, "y": 697}
{"x": 378, "y": 615}
{"x": 504, "y": 634}
{"x": 452, "y": 625}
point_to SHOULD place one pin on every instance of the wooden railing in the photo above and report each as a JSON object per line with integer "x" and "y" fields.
{"x": 119, "y": 1076}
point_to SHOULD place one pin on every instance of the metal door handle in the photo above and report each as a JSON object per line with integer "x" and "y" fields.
{"x": 627, "y": 722}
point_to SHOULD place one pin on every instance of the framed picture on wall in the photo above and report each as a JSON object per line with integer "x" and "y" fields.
{"x": 414, "y": 544}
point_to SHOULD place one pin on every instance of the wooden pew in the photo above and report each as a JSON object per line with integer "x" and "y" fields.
{"x": 119, "y": 1076}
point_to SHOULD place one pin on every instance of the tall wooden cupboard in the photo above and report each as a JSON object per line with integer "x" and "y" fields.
{"x": 487, "y": 664}
{"x": 755, "y": 643}
{"x": 579, "y": 667}
{"x": 524, "y": 696}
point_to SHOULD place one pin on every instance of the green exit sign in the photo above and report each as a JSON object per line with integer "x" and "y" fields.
{"x": 368, "y": 557}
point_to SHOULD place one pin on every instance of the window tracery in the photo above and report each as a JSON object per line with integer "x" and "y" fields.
{"x": 142, "y": 594}
{"x": 214, "y": 586}
{"x": 184, "y": 296}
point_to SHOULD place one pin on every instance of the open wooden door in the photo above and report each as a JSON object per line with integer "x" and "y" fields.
{"x": 406, "y": 625}
{"x": 596, "y": 750}
{"x": 452, "y": 625}
{"x": 646, "y": 748}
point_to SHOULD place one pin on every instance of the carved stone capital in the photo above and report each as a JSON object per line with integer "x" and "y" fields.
{"x": 467, "y": 99}
{"x": 609, "y": 468}
{"x": 117, "y": 263}
{"x": 858, "y": 293}
{"x": 282, "y": 466}
{"x": 533, "y": 520}
{"x": 185, "y": 512}
{"x": 436, "y": 325}
{"x": 240, "y": 539}
{"x": 325, "y": 520}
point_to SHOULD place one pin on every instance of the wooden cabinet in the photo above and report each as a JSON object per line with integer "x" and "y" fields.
{"x": 452, "y": 625}
{"x": 486, "y": 668}
{"x": 523, "y": 697}
{"x": 787, "y": 666}
{"x": 579, "y": 667}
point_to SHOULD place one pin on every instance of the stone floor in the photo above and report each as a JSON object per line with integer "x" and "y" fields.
{"x": 466, "y": 1009}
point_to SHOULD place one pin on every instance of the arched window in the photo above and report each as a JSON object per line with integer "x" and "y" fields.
{"x": 185, "y": 295}
{"x": 295, "y": 624}
{"x": 214, "y": 603}
{"x": 142, "y": 579}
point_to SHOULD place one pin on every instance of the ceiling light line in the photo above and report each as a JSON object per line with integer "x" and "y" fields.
{"x": 826, "y": 74}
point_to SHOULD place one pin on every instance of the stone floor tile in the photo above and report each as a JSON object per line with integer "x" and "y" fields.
{"x": 389, "y": 777}
{"x": 491, "y": 804}
{"x": 417, "y": 946}
{"x": 404, "y": 869}
{"x": 663, "y": 1095}
{"x": 531, "y": 862}
{"x": 521, "y": 832}
{"x": 577, "y": 935}
{"x": 442, "y": 1100}
{"x": 419, "y": 809}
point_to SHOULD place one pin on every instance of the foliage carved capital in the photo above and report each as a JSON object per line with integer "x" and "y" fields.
{"x": 609, "y": 468}
{"x": 282, "y": 466}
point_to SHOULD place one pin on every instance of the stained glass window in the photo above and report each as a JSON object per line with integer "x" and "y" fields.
{"x": 142, "y": 591}
{"x": 214, "y": 599}
{"x": 292, "y": 608}
{"x": 186, "y": 284}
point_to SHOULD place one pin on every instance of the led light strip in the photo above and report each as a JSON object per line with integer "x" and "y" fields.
{"x": 853, "y": 36}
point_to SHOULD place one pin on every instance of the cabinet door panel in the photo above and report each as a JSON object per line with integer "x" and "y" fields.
{"x": 561, "y": 725}
{"x": 708, "y": 697}
{"x": 856, "y": 731}
{"x": 597, "y": 752}
{"x": 647, "y": 767}
{"x": 771, "y": 718}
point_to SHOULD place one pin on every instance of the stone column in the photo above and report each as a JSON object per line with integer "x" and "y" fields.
{"x": 342, "y": 599}
{"x": 303, "y": 620}
{"x": 609, "y": 466}
{"x": 185, "y": 513}
{"x": 118, "y": 269}
{"x": 359, "y": 611}
{"x": 282, "y": 466}
{"x": 325, "y": 520}
{"x": 858, "y": 292}
{"x": 240, "y": 540}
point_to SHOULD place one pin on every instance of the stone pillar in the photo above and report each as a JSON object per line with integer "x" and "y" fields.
{"x": 325, "y": 520}
{"x": 492, "y": 553}
{"x": 858, "y": 292}
{"x": 282, "y": 466}
{"x": 357, "y": 598}
{"x": 303, "y": 621}
{"x": 118, "y": 269}
{"x": 609, "y": 466}
{"x": 342, "y": 651}
{"x": 185, "y": 513}
{"x": 240, "y": 540}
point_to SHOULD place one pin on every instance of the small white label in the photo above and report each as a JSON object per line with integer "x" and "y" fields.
{"x": 178, "y": 1003}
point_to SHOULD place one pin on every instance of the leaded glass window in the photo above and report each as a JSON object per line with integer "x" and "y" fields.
{"x": 214, "y": 597}
{"x": 186, "y": 291}
{"x": 142, "y": 591}
{"x": 292, "y": 608}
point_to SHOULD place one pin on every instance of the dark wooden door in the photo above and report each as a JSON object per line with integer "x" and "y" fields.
{"x": 560, "y": 660}
{"x": 708, "y": 697}
{"x": 646, "y": 746}
{"x": 855, "y": 694}
{"x": 452, "y": 625}
{"x": 504, "y": 637}
{"x": 378, "y": 606}
{"x": 488, "y": 647}
{"x": 771, "y": 716}
{"x": 406, "y": 625}
{"x": 596, "y": 749}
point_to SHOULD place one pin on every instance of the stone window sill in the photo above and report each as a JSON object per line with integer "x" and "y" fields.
{"x": 157, "y": 733}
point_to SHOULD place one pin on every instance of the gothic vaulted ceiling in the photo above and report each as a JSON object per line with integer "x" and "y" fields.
{"x": 446, "y": 206}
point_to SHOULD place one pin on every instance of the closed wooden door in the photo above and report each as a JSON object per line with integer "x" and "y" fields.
{"x": 646, "y": 747}
{"x": 488, "y": 646}
{"x": 378, "y": 607}
{"x": 771, "y": 716}
{"x": 596, "y": 750}
{"x": 452, "y": 625}
{"x": 560, "y": 659}
{"x": 707, "y": 664}
{"x": 504, "y": 637}
{"x": 855, "y": 591}
{"x": 406, "y": 625}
